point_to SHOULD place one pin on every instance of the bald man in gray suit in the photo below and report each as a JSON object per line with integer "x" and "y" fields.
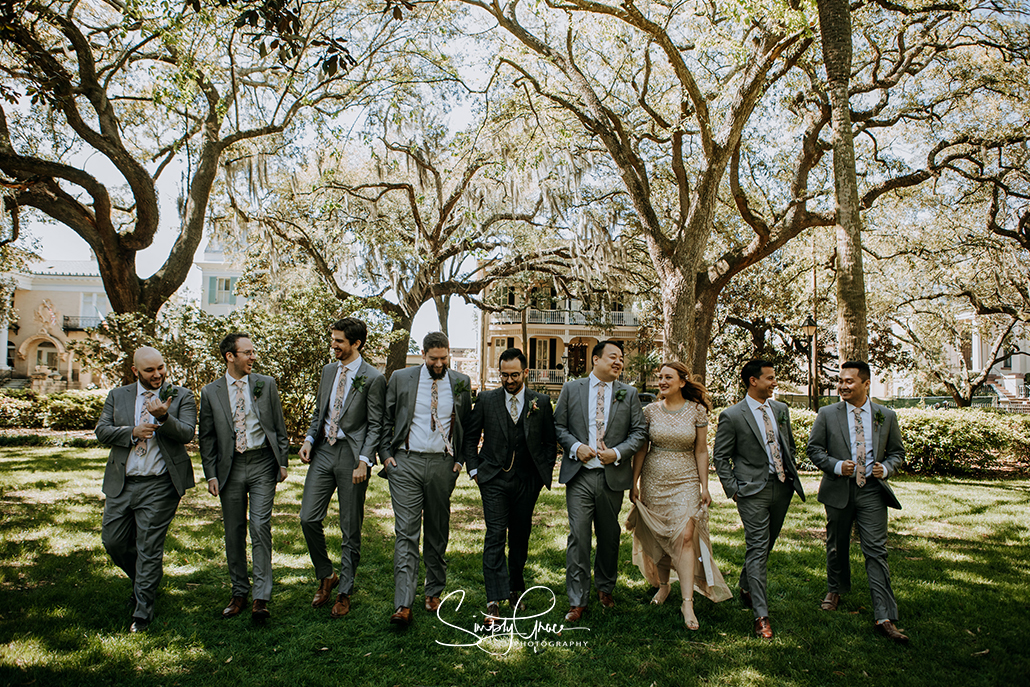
{"x": 147, "y": 425}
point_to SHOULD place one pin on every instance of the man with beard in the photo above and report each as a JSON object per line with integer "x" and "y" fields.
{"x": 341, "y": 446}
{"x": 147, "y": 424}
{"x": 516, "y": 460}
{"x": 426, "y": 409}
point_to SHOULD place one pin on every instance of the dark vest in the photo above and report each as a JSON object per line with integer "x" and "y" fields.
{"x": 523, "y": 463}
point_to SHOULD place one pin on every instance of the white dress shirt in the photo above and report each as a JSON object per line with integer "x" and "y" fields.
{"x": 756, "y": 410}
{"x": 352, "y": 371}
{"x": 592, "y": 437}
{"x": 421, "y": 438}
{"x": 255, "y": 435}
{"x": 150, "y": 464}
{"x": 870, "y": 448}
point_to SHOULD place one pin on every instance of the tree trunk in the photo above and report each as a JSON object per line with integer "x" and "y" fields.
{"x": 443, "y": 311}
{"x": 679, "y": 319}
{"x": 525, "y": 323}
{"x": 852, "y": 330}
{"x": 397, "y": 356}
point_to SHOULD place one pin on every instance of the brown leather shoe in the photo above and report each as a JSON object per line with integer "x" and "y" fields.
{"x": 260, "y": 610}
{"x": 325, "y": 590}
{"x": 402, "y": 616}
{"x": 432, "y": 603}
{"x": 763, "y": 628}
{"x": 607, "y": 600}
{"x": 341, "y": 607}
{"x": 513, "y": 599}
{"x": 888, "y": 630}
{"x": 831, "y": 602}
{"x": 493, "y": 614}
{"x": 575, "y": 614}
{"x": 235, "y": 607}
{"x": 745, "y": 599}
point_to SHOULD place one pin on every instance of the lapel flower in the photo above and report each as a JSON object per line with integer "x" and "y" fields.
{"x": 168, "y": 391}
{"x": 533, "y": 407}
{"x": 258, "y": 387}
{"x": 359, "y": 383}
{"x": 620, "y": 395}
{"x": 461, "y": 387}
{"x": 783, "y": 419}
{"x": 878, "y": 419}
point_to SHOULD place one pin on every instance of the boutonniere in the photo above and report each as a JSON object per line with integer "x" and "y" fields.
{"x": 167, "y": 392}
{"x": 878, "y": 419}
{"x": 359, "y": 383}
{"x": 620, "y": 395}
{"x": 533, "y": 407}
{"x": 258, "y": 387}
{"x": 783, "y": 418}
{"x": 461, "y": 387}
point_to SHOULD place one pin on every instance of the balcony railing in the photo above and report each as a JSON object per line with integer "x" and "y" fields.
{"x": 573, "y": 317}
{"x": 558, "y": 377}
{"x": 72, "y": 323}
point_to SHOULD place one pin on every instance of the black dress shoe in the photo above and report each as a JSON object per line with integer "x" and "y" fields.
{"x": 139, "y": 625}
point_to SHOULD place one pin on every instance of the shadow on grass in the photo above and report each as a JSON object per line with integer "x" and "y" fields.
{"x": 958, "y": 559}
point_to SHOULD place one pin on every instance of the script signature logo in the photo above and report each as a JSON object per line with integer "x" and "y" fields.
{"x": 521, "y": 629}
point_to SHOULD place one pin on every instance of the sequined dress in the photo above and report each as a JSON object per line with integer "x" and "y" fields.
{"x": 670, "y": 497}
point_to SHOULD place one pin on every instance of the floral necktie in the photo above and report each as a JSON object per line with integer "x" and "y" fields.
{"x": 239, "y": 418}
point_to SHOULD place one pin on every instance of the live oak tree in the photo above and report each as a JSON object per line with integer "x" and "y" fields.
{"x": 671, "y": 96}
{"x": 103, "y": 100}
{"x": 425, "y": 218}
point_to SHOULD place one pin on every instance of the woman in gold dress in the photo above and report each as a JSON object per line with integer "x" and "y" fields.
{"x": 669, "y": 517}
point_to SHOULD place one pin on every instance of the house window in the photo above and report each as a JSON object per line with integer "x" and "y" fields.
{"x": 46, "y": 355}
{"x": 221, "y": 290}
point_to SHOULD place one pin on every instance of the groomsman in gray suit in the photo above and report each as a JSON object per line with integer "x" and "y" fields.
{"x": 600, "y": 426}
{"x": 426, "y": 410}
{"x": 515, "y": 462}
{"x": 244, "y": 449}
{"x": 857, "y": 445}
{"x": 147, "y": 425}
{"x": 341, "y": 448}
{"x": 754, "y": 458}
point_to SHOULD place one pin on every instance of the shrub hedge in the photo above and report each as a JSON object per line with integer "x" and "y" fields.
{"x": 955, "y": 441}
{"x": 68, "y": 410}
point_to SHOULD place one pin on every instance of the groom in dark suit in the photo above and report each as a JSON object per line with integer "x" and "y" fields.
{"x": 600, "y": 426}
{"x": 857, "y": 445}
{"x": 341, "y": 448}
{"x": 423, "y": 435}
{"x": 754, "y": 458}
{"x": 516, "y": 460}
{"x": 147, "y": 424}
{"x": 244, "y": 450}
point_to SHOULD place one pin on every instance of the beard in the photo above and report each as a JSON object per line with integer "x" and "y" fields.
{"x": 437, "y": 373}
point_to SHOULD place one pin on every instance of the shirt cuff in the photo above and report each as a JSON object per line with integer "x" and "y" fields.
{"x": 886, "y": 472}
{"x": 365, "y": 460}
{"x": 574, "y": 451}
{"x": 472, "y": 473}
{"x": 310, "y": 439}
{"x": 838, "y": 467}
{"x": 618, "y": 456}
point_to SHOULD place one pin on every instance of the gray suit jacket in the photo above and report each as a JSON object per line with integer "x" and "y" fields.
{"x": 490, "y": 418}
{"x": 400, "y": 409}
{"x": 739, "y": 453}
{"x": 118, "y": 419}
{"x": 830, "y": 443}
{"x": 626, "y": 430}
{"x": 362, "y": 418}
{"x": 217, "y": 436}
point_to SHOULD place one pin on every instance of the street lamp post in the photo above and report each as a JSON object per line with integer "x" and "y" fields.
{"x": 811, "y": 330}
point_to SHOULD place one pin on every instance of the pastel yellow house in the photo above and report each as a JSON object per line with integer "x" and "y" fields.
{"x": 54, "y": 302}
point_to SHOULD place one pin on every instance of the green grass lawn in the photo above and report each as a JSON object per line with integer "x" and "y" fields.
{"x": 959, "y": 559}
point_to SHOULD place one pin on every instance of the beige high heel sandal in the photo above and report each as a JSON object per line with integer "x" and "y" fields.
{"x": 661, "y": 595}
{"x": 690, "y": 620}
